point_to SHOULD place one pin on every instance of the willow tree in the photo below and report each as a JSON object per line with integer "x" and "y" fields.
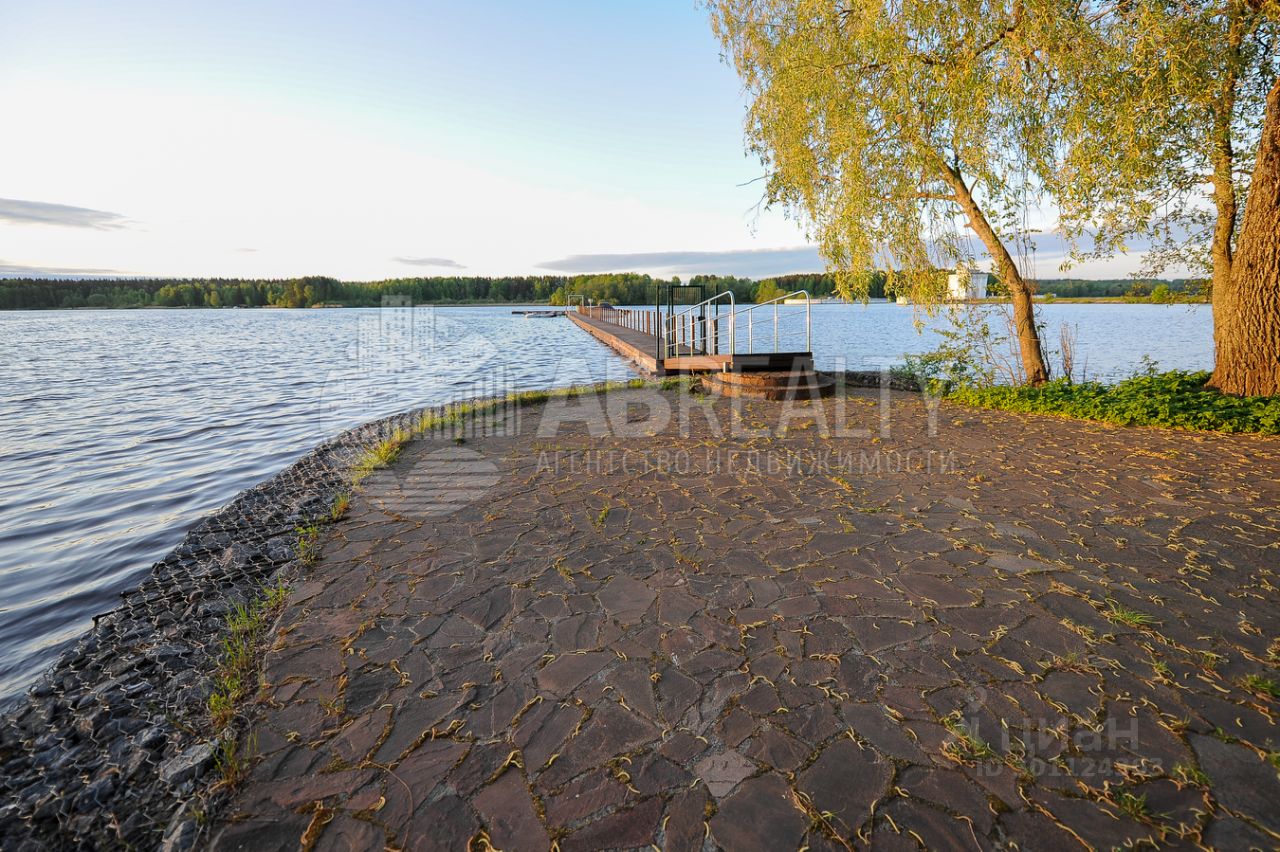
{"x": 1247, "y": 317}
{"x": 1163, "y": 138}
{"x": 883, "y": 124}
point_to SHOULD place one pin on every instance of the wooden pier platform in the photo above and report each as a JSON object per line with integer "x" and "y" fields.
{"x": 630, "y": 334}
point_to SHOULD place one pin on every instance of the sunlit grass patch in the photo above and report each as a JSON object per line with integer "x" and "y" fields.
{"x": 307, "y": 546}
{"x": 1261, "y": 685}
{"x": 236, "y": 679}
{"x": 236, "y": 673}
{"x": 1121, "y": 614}
{"x": 380, "y": 454}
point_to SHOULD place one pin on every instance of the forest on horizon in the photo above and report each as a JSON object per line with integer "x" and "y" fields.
{"x": 312, "y": 291}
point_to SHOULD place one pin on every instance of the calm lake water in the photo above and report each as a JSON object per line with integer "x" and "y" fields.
{"x": 1111, "y": 339}
{"x": 119, "y": 430}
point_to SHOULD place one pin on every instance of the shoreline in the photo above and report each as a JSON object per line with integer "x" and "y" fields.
{"x": 126, "y": 705}
{"x": 111, "y": 745}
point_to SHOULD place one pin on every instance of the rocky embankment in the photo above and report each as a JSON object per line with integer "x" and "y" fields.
{"x": 114, "y": 747}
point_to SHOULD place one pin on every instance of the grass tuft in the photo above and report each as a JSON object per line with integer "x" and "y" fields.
{"x": 1121, "y": 614}
{"x": 234, "y": 760}
{"x": 1132, "y": 806}
{"x": 1187, "y": 773}
{"x": 307, "y": 547}
{"x": 964, "y": 747}
{"x": 341, "y": 502}
{"x": 238, "y": 661}
{"x": 379, "y": 455}
{"x": 1262, "y": 686}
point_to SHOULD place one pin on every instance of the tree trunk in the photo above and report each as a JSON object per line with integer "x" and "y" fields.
{"x": 1220, "y": 248}
{"x": 1246, "y": 316}
{"x": 1024, "y": 319}
{"x": 1222, "y": 158}
{"x": 1224, "y": 202}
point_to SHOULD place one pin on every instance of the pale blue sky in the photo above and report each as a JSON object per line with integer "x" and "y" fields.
{"x": 374, "y": 139}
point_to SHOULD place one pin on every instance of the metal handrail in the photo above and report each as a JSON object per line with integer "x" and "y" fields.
{"x": 777, "y": 336}
{"x": 671, "y": 343}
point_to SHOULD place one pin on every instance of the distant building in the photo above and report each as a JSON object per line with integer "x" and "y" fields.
{"x": 966, "y": 284}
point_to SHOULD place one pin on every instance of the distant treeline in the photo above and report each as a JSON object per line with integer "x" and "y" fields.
{"x": 618, "y": 289}
{"x": 20, "y": 293}
{"x": 1069, "y": 288}
{"x": 642, "y": 290}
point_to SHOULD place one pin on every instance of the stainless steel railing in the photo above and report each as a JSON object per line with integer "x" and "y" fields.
{"x": 694, "y": 331}
{"x": 785, "y": 330}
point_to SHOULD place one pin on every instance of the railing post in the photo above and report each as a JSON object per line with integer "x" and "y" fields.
{"x": 657, "y": 330}
{"x": 775, "y": 326}
{"x": 808, "y": 326}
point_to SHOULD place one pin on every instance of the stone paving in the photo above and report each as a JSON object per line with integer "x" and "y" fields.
{"x": 1022, "y": 633}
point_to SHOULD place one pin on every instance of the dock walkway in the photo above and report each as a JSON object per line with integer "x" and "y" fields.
{"x": 705, "y": 346}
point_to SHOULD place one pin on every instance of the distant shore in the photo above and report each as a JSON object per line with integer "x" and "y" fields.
{"x": 1041, "y": 300}
{"x": 283, "y": 307}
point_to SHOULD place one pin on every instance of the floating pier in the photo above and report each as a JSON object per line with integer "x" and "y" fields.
{"x": 715, "y": 336}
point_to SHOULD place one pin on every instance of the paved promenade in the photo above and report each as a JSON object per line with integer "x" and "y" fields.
{"x": 1019, "y": 632}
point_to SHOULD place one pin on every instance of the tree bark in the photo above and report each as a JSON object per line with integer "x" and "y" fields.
{"x": 1222, "y": 158}
{"x": 1246, "y": 315}
{"x": 1024, "y": 319}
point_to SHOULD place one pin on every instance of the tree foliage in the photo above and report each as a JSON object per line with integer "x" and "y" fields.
{"x": 767, "y": 290}
{"x": 886, "y": 125}
{"x": 1162, "y": 125}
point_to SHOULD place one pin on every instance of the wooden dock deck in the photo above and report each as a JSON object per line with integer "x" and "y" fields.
{"x": 630, "y": 333}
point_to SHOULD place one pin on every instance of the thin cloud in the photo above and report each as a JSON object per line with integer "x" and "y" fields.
{"x": 43, "y": 213}
{"x": 751, "y": 263}
{"x": 245, "y": 251}
{"x": 1041, "y": 255}
{"x": 19, "y": 270}
{"x": 442, "y": 262}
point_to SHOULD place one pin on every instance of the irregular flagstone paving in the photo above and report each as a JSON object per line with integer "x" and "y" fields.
{"x": 1033, "y": 633}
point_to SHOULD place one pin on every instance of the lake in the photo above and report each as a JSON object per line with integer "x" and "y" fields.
{"x": 119, "y": 430}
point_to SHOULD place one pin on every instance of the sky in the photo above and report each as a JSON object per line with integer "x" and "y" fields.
{"x": 369, "y": 140}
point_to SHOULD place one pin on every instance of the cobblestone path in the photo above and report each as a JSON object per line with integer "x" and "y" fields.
{"x": 1019, "y": 633}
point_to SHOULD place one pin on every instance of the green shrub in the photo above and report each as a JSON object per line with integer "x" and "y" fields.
{"x": 1175, "y": 400}
{"x": 965, "y": 358}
